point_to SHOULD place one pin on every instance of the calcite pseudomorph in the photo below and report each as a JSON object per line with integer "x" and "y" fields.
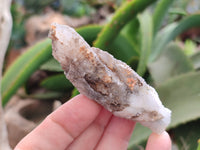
{"x": 108, "y": 81}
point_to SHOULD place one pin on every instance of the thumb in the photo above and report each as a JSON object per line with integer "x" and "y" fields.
{"x": 159, "y": 142}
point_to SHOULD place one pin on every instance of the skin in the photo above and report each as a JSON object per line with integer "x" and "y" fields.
{"x": 81, "y": 123}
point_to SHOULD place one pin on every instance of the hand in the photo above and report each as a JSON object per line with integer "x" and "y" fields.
{"x": 82, "y": 124}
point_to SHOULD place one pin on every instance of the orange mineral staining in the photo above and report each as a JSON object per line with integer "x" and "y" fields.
{"x": 131, "y": 82}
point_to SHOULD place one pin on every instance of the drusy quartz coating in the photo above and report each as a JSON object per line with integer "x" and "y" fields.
{"x": 108, "y": 81}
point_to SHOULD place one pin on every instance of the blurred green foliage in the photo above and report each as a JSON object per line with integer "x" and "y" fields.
{"x": 187, "y": 140}
{"x": 18, "y": 31}
{"x": 76, "y": 7}
{"x": 37, "y": 6}
{"x": 148, "y": 39}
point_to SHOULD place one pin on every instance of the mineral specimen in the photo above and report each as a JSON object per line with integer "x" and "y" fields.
{"x": 108, "y": 81}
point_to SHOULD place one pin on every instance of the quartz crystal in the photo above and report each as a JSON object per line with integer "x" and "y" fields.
{"x": 108, "y": 81}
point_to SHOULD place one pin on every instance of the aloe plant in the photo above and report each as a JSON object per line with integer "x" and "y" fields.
{"x": 122, "y": 16}
{"x": 185, "y": 24}
{"x": 147, "y": 42}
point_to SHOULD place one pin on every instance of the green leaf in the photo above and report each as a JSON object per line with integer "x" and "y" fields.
{"x": 160, "y": 39}
{"x": 122, "y": 49}
{"x": 75, "y": 92}
{"x": 57, "y": 83}
{"x": 172, "y": 62}
{"x": 196, "y": 60}
{"x": 51, "y": 65}
{"x": 23, "y": 67}
{"x": 131, "y": 32}
{"x": 161, "y": 10}
{"x": 185, "y": 24}
{"x": 146, "y": 41}
{"x": 178, "y": 11}
{"x": 181, "y": 94}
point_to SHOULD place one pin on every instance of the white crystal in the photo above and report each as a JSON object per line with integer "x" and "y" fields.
{"x": 108, "y": 81}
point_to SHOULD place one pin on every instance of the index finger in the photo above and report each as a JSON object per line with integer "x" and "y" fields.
{"x": 61, "y": 127}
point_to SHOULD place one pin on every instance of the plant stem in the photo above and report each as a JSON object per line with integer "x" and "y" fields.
{"x": 123, "y": 15}
{"x": 146, "y": 29}
{"x": 159, "y": 13}
{"x": 185, "y": 24}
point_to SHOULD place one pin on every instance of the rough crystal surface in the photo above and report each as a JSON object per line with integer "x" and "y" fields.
{"x": 108, "y": 81}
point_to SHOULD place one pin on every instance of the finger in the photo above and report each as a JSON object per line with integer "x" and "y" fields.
{"x": 117, "y": 134}
{"x": 90, "y": 137}
{"x": 158, "y": 142}
{"x": 60, "y": 128}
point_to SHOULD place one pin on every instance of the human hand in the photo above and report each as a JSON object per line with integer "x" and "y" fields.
{"x": 83, "y": 124}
